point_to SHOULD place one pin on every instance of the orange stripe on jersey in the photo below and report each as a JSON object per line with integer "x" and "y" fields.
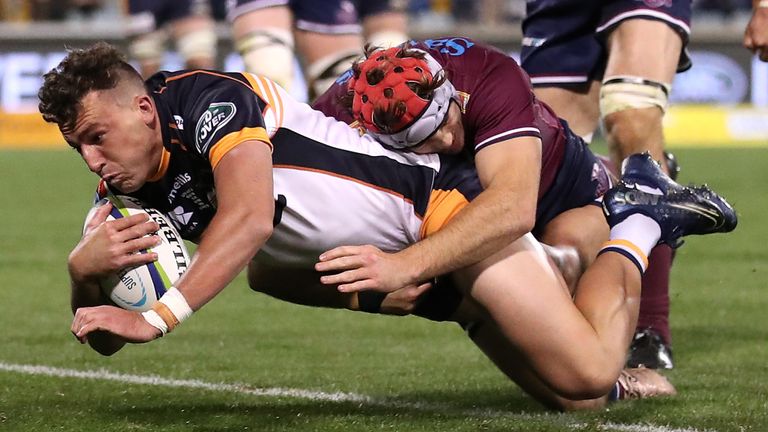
{"x": 267, "y": 91}
{"x": 233, "y": 139}
{"x": 194, "y": 72}
{"x": 443, "y": 206}
{"x": 352, "y": 179}
{"x": 163, "y": 167}
{"x": 279, "y": 110}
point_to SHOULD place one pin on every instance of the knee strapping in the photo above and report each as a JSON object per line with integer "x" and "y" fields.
{"x": 197, "y": 44}
{"x": 148, "y": 47}
{"x": 619, "y": 93}
{"x": 268, "y": 52}
{"x": 322, "y": 73}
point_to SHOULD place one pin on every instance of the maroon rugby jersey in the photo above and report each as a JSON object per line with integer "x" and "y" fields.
{"x": 496, "y": 99}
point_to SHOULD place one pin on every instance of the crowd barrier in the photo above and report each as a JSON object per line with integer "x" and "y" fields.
{"x": 722, "y": 100}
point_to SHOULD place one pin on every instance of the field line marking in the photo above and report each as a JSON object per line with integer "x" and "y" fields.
{"x": 342, "y": 397}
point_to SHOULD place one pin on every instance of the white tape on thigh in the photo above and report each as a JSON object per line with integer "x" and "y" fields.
{"x": 268, "y": 52}
{"x": 619, "y": 93}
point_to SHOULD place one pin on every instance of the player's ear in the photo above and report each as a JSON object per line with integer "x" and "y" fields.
{"x": 146, "y": 108}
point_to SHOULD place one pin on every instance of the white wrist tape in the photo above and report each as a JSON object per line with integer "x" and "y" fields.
{"x": 762, "y": 4}
{"x": 154, "y": 319}
{"x": 177, "y": 304}
{"x": 168, "y": 312}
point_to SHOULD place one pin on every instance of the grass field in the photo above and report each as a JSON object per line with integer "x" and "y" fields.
{"x": 248, "y": 362}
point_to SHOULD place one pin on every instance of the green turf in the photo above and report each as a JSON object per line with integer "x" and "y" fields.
{"x": 422, "y": 376}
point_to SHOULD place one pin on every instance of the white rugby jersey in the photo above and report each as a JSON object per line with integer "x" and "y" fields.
{"x": 332, "y": 186}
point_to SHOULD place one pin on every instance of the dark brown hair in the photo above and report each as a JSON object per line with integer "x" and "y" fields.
{"x": 99, "y": 67}
{"x": 391, "y": 114}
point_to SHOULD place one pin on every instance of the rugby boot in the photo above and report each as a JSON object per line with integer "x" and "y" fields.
{"x": 642, "y": 383}
{"x": 673, "y": 167}
{"x": 680, "y": 211}
{"x": 642, "y": 169}
{"x": 648, "y": 350}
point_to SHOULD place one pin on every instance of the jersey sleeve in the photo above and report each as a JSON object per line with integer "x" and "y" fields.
{"x": 229, "y": 110}
{"x": 502, "y": 106}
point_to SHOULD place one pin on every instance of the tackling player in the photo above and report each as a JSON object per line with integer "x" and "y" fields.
{"x": 249, "y": 175}
{"x": 457, "y": 96}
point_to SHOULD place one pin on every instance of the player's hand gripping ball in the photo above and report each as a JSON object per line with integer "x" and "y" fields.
{"x": 138, "y": 288}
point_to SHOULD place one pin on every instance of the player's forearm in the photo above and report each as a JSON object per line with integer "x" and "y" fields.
{"x": 496, "y": 218}
{"x": 85, "y": 290}
{"x": 242, "y": 224}
{"x": 227, "y": 246}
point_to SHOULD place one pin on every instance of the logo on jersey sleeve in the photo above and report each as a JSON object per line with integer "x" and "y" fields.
{"x": 454, "y": 46}
{"x": 179, "y": 121}
{"x": 214, "y": 118}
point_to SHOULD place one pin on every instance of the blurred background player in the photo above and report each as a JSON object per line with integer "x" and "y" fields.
{"x": 328, "y": 34}
{"x": 614, "y": 62}
{"x": 188, "y": 22}
{"x": 756, "y": 33}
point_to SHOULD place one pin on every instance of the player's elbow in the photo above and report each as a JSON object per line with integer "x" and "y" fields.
{"x": 262, "y": 230}
{"x": 527, "y": 220}
{"x": 258, "y": 230}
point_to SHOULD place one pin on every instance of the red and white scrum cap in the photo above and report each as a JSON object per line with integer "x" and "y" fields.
{"x": 385, "y": 85}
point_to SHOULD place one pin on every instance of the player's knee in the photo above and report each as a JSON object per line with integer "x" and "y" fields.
{"x": 268, "y": 52}
{"x": 584, "y": 383}
{"x": 322, "y": 73}
{"x": 620, "y": 93}
{"x": 198, "y": 47}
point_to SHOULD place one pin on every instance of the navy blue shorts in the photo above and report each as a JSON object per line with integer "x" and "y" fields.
{"x": 154, "y": 14}
{"x": 581, "y": 180}
{"x": 322, "y": 16}
{"x": 441, "y": 301}
{"x": 564, "y": 40}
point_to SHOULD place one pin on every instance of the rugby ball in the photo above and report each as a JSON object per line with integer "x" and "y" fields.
{"x": 138, "y": 288}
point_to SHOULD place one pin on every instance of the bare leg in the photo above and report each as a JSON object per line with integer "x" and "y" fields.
{"x": 266, "y": 34}
{"x": 578, "y": 105}
{"x": 196, "y": 40}
{"x": 534, "y": 311}
{"x": 648, "y": 49}
{"x": 583, "y": 228}
{"x": 326, "y": 56}
{"x": 386, "y": 29}
{"x": 300, "y": 286}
